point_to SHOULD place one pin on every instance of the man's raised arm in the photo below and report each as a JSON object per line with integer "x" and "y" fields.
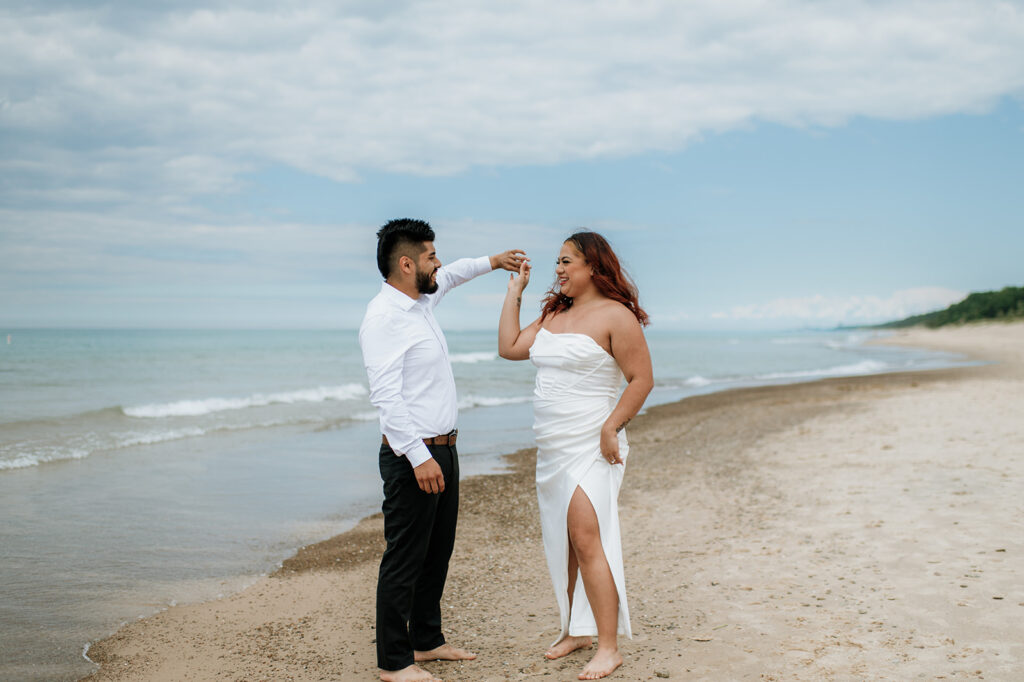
{"x": 465, "y": 269}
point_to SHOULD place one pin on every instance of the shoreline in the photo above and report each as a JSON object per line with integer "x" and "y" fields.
{"x": 312, "y": 618}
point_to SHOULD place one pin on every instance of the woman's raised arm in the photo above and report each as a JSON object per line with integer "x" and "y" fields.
{"x": 513, "y": 342}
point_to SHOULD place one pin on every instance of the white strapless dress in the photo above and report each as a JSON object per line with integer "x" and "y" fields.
{"x": 577, "y": 387}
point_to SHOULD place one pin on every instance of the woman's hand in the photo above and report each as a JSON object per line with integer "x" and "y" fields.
{"x": 513, "y": 341}
{"x": 517, "y": 283}
{"x": 610, "y": 444}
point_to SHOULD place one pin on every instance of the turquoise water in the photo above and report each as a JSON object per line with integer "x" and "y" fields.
{"x": 144, "y": 468}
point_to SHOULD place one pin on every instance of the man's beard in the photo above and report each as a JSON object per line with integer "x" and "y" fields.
{"x": 423, "y": 283}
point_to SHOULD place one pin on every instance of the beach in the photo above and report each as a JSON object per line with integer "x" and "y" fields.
{"x": 864, "y": 527}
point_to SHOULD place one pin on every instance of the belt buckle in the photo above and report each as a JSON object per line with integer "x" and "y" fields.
{"x": 442, "y": 439}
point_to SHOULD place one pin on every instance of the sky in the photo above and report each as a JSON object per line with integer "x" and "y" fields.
{"x": 755, "y": 165}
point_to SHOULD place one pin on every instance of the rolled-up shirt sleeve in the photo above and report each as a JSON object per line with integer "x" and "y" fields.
{"x": 384, "y": 353}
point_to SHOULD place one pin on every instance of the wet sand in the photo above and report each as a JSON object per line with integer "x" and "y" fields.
{"x": 857, "y": 528}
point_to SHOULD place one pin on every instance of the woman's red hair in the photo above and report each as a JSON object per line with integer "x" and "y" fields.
{"x": 609, "y": 277}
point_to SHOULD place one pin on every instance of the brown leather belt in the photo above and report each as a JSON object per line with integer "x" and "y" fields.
{"x": 446, "y": 439}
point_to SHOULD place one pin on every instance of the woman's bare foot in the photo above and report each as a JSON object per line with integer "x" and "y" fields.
{"x": 445, "y": 652}
{"x": 413, "y": 673}
{"x": 603, "y": 664}
{"x": 567, "y": 646}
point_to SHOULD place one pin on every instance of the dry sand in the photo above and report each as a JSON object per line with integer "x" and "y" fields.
{"x": 865, "y": 528}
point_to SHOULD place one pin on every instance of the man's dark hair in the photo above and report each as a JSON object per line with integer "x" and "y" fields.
{"x": 401, "y": 237}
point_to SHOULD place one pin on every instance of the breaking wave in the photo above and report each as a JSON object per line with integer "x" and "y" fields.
{"x": 193, "y": 408}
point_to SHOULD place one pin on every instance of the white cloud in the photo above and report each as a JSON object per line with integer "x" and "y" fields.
{"x": 820, "y": 309}
{"x": 118, "y": 121}
{"x": 134, "y": 96}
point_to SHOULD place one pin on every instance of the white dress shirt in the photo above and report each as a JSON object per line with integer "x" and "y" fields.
{"x": 406, "y": 359}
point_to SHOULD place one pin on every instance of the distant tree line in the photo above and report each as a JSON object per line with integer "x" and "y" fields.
{"x": 988, "y": 305}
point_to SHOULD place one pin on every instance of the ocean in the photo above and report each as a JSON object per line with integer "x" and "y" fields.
{"x": 140, "y": 469}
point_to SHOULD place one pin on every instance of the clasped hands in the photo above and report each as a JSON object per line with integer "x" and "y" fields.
{"x": 517, "y": 283}
{"x": 511, "y": 260}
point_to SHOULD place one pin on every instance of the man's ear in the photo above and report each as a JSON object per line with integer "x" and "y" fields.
{"x": 406, "y": 264}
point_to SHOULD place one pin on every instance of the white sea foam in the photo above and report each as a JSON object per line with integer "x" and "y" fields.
{"x": 793, "y": 340}
{"x": 473, "y": 358}
{"x": 469, "y": 401}
{"x": 36, "y": 454}
{"x": 19, "y": 462}
{"x": 53, "y": 454}
{"x": 849, "y": 341}
{"x": 129, "y": 439}
{"x": 862, "y": 367}
{"x": 854, "y": 339}
{"x": 193, "y": 408}
{"x": 29, "y": 455}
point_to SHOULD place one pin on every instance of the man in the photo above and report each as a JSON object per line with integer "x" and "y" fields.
{"x": 413, "y": 389}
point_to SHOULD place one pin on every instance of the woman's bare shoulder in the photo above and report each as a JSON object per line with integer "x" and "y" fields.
{"x": 619, "y": 316}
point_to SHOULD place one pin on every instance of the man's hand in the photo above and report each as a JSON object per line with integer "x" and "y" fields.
{"x": 509, "y": 260}
{"x": 429, "y": 476}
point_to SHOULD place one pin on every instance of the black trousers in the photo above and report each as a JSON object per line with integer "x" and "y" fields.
{"x": 419, "y": 529}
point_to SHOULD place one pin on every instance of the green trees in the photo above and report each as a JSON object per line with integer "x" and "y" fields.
{"x": 1007, "y": 303}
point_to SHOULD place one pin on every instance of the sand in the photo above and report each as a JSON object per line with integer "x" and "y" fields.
{"x": 866, "y": 528}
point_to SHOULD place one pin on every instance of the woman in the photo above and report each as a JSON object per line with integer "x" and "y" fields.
{"x": 588, "y": 337}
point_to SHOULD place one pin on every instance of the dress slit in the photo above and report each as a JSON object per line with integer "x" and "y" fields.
{"x": 576, "y": 388}
{"x": 581, "y": 620}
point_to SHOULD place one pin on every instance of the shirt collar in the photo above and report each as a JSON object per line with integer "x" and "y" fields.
{"x": 397, "y": 297}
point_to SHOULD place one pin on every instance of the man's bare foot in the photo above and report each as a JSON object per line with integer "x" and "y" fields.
{"x": 603, "y": 664}
{"x": 412, "y": 673}
{"x": 567, "y": 646}
{"x": 445, "y": 652}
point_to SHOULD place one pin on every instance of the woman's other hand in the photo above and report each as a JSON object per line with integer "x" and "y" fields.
{"x": 610, "y": 444}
